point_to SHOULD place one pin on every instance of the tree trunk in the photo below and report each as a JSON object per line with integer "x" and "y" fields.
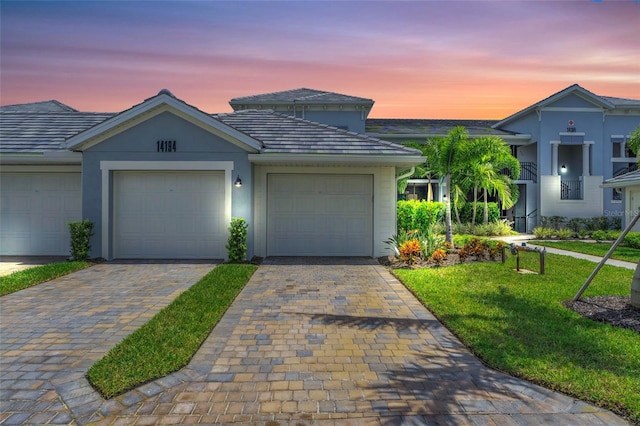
{"x": 635, "y": 287}
{"x": 486, "y": 208}
{"x": 475, "y": 207}
{"x": 449, "y": 231}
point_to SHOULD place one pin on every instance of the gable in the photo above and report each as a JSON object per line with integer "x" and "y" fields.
{"x": 152, "y": 107}
{"x": 573, "y": 101}
{"x": 166, "y": 132}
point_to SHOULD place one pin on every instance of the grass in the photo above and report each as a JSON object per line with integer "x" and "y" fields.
{"x": 517, "y": 324}
{"x": 596, "y": 249}
{"x": 38, "y": 274}
{"x": 170, "y": 339}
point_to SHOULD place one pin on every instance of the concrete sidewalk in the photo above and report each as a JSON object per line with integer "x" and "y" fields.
{"x": 525, "y": 238}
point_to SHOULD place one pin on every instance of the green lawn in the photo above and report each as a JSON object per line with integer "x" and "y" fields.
{"x": 596, "y": 249}
{"x": 38, "y": 274}
{"x": 516, "y": 323}
{"x": 170, "y": 339}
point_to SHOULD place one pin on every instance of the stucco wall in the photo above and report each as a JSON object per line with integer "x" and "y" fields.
{"x": 139, "y": 144}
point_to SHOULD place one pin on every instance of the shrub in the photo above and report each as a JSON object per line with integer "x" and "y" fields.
{"x": 418, "y": 215}
{"x": 237, "y": 243}
{"x": 564, "y": 234}
{"x": 576, "y": 224}
{"x": 431, "y": 241}
{"x": 632, "y": 239}
{"x": 81, "y": 233}
{"x": 543, "y": 232}
{"x": 438, "y": 257}
{"x": 494, "y": 229}
{"x": 599, "y": 235}
{"x": 598, "y": 223}
{"x": 466, "y": 212}
{"x": 554, "y": 222}
{"x": 461, "y": 228}
{"x": 410, "y": 251}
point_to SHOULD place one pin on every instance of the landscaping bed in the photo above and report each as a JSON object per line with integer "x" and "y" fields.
{"x": 614, "y": 310}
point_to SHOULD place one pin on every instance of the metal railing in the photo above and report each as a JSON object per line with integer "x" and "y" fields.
{"x": 528, "y": 171}
{"x": 632, "y": 168}
{"x": 571, "y": 190}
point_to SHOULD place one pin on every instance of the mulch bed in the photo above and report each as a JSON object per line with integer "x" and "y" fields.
{"x": 615, "y": 310}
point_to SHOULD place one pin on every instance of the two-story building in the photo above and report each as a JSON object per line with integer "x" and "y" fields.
{"x": 567, "y": 144}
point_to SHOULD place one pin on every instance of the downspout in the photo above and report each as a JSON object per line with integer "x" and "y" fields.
{"x": 406, "y": 175}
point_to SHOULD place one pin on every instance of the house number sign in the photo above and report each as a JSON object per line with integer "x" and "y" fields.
{"x": 166, "y": 146}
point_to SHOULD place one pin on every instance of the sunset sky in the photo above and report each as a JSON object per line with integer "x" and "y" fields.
{"x": 419, "y": 59}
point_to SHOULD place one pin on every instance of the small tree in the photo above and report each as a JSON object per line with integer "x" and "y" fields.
{"x": 237, "y": 243}
{"x": 81, "y": 233}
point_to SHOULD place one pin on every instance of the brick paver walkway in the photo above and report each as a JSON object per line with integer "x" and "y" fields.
{"x": 52, "y": 333}
{"x": 339, "y": 341}
{"x": 308, "y": 341}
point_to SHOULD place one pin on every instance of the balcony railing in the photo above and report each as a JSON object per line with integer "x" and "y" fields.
{"x": 571, "y": 190}
{"x": 528, "y": 171}
{"x": 632, "y": 168}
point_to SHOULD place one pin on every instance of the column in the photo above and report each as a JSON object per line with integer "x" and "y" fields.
{"x": 585, "y": 159}
{"x": 554, "y": 158}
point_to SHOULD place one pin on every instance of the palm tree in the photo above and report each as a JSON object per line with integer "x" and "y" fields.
{"x": 444, "y": 157}
{"x": 486, "y": 157}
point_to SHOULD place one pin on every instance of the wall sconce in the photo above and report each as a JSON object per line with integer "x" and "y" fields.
{"x": 563, "y": 168}
{"x": 238, "y": 182}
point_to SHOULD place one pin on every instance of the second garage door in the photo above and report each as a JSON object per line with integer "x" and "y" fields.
{"x": 34, "y": 211}
{"x": 320, "y": 215}
{"x": 169, "y": 215}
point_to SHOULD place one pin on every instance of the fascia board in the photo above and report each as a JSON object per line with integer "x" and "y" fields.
{"x": 621, "y": 184}
{"x": 580, "y": 91}
{"x": 62, "y": 157}
{"x": 338, "y": 160}
{"x": 151, "y": 108}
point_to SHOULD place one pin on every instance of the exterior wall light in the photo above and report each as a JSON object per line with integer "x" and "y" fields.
{"x": 238, "y": 182}
{"x": 563, "y": 168}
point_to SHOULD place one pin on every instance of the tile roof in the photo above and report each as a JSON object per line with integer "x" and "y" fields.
{"x": 630, "y": 177}
{"x": 622, "y": 102}
{"x": 43, "y": 132}
{"x": 280, "y": 133}
{"x": 302, "y": 96}
{"x": 390, "y": 127}
{"x": 44, "y": 106}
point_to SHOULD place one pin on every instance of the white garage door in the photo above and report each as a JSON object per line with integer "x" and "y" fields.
{"x": 34, "y": 211}
{"x": 169, "y": 215}
{"x": 319, "y": 215}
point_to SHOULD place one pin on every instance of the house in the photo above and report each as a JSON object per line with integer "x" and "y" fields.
{"x": 628, "y": 186}
{"x": 163, "y": 179}
{"x": 567, "y": 144}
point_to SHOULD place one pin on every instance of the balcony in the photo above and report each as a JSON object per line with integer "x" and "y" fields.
{"x": 571, "y": 190}
{"x": 528, "y": 171}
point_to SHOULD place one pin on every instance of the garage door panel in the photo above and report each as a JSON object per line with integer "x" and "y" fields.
{"x": 35, "y": 209}
{"x": 320, "y": 215}
{"x": 169, "y": 214}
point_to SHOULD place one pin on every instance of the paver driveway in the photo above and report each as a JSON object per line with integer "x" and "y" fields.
{"x": 52, "y": 333}
{"x": 338, "y": 341}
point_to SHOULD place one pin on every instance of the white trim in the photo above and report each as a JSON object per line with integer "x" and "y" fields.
{"x": 572, "y": 133}
{"x": 109, "y": 166}
{"x": 571, "y": 109}
{"x": 12, "y": 168}
{"x": 337, "y": 159}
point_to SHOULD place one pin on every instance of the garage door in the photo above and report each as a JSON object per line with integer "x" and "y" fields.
{"x": 34, "y": 211}
{"x": 319, "y": 215}
{"x": 169, "y": 215}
